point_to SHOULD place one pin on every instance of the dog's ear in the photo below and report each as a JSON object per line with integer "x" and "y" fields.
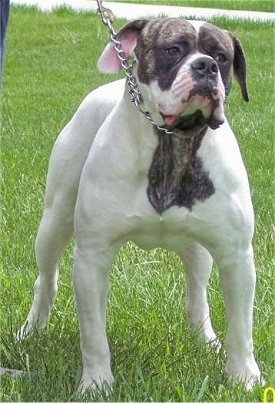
{"x": 127, "y": 36}
{"x": 239, "y": 65}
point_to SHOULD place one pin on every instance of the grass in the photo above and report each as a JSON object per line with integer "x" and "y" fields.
{"x": 49, "y": 67}
{"x": 253, "y": 5}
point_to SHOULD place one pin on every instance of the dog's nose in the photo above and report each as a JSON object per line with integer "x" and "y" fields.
{"x": 205, "y": 67}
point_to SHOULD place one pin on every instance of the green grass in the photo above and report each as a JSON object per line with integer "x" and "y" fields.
{"x": 253, "y": 5}
{"x": 49, "y": 67}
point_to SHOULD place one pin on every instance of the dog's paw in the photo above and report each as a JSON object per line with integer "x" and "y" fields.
{"x": 250, "y": 377}
{"x": 209, "y": 337}
{"x": 215, "y": 344}
{"x": 25, "y": 331}
{"x": 96, "y": 384}
{"x": 251, "y": 382}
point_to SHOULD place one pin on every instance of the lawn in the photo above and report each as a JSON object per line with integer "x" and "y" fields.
{"x": 49, "y": 68}
{"x": 255, "y": 5}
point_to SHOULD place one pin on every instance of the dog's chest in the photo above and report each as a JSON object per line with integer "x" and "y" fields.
{"x": 170, "y": 196}
{"x": 176, "y": 176}
{"x": 170, "y": 230}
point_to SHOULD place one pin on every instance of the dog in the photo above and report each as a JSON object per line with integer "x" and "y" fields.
{"x": 114, "y": 176}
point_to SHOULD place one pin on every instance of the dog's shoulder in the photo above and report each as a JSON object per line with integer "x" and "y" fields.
{"x": 221, "y": 157}
{"x": 104, "y": 96}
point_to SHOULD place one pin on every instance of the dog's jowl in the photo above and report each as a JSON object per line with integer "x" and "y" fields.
{"x": 113, "y": 176}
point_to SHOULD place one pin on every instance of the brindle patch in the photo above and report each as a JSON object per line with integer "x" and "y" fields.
{"x": 176, "y": 176}
{"x": 217, "y": 43}
{"x": 151, "y": 50}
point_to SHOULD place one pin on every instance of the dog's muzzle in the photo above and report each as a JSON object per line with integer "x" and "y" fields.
{"x": 206, "y": 93}
{"x": 203, "y": 103}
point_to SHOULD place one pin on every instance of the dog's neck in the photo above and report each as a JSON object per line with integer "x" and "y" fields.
{"x": 176, "y": 175}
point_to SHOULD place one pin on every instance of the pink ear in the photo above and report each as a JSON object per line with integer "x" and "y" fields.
{"x": 109, "y": 62}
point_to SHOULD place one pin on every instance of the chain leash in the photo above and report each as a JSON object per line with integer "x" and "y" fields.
{"x": 108, "y": 18}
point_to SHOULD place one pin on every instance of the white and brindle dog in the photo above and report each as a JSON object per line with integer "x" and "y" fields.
{"x": 115, "y": 177}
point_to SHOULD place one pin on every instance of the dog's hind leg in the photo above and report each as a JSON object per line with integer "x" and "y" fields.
{"x": 56, "y": 227}
{"x": 198, "y": 263}
{"x": 67, "y": 159}
{"x": 52, "y": 238}
{"x": 55, "y": 231}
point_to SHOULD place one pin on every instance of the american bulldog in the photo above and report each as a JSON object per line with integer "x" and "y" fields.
{"x": 114, "y": 177}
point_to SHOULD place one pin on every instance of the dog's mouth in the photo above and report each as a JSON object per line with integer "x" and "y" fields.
{"x": 201, "y": 108}
{"x": 190, "y": 122}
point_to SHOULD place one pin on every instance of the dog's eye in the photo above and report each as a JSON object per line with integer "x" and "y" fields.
{"x": 220, "y": 58}
{"x": 173, "y": 51}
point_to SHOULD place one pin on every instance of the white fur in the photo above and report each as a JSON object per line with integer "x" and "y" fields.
{"x": 96, "y": 188}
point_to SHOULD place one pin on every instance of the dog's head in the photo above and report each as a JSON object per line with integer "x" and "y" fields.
{"x": 184, "y": 68}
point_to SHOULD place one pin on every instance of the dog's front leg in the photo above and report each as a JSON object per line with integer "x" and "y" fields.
{"x": 237, "y": 275}
{"x": 91, "y": 277}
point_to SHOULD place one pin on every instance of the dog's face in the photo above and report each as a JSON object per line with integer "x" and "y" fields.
{"x": 183, "y": 68}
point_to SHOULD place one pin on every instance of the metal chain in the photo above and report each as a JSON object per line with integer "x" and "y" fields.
{"x": 107, "y": 18}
